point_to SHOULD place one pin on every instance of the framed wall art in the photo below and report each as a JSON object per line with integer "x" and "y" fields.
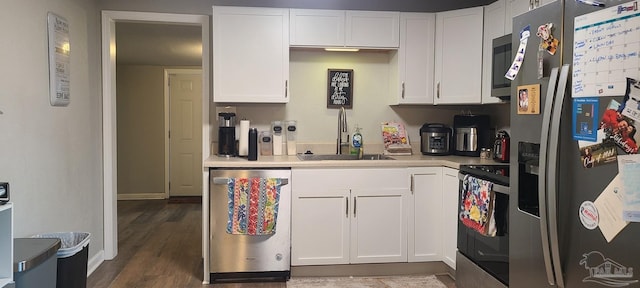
{"x": 59, "y": 60}
{"x": 340, "y": 88}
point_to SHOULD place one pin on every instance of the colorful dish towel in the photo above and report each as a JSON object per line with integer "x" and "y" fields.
{"x": 253, "y": 205}
{"x": 478, "y": 200}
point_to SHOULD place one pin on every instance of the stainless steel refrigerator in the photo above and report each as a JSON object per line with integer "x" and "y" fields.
{"x": 550, "y": 245}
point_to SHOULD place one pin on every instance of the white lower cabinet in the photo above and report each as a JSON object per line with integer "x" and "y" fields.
{"x": 450, "y": 194}
{"x": 425, "y": 213}
{"x": 348, "y": 216}
{"x": 379, "y": 225}
{"x": 319, "y": 224}
{"x": 342, "y": 216}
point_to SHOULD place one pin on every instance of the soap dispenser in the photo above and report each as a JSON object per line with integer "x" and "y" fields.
{"x": 356, "y": 142}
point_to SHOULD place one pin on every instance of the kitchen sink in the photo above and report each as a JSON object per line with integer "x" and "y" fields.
{"x": 320, "y": 157}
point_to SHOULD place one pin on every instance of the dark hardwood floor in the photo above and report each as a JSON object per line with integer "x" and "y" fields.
{"x": 160, "y": 245}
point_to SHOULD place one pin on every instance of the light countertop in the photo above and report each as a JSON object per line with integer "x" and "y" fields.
{"x": 418, "y": 160}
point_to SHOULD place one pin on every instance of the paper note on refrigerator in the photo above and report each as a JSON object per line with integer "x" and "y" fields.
{"x": 629, "y": 168}
{"x": 631, "y": 186}
{"x": 609, "y": 205}
{"x": 519, "y": 58}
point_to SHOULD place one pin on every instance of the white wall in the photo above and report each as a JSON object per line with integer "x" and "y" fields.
{"x": 140, "y": 109}
{"x": 51, "y": 155}
{"x": 318, "y": 125}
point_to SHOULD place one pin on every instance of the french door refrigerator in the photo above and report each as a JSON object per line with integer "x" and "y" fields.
{"x": 556, "y": 225}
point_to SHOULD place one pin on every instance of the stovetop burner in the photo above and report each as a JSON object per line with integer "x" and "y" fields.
{"x": 495, "y": 173}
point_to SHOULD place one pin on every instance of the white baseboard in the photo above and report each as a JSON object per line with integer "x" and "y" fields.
{"x": 95, "y": 262}
{"x": 142, "y": 196}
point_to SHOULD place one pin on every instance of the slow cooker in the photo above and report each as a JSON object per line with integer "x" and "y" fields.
{"x": 435, "y": 139}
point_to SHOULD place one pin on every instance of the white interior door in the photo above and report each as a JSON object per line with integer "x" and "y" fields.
{"x": 185, "y": 133}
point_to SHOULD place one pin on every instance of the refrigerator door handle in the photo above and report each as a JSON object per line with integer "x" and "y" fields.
{"x": 552, "y": 174}
{"x": 542, "y": 176}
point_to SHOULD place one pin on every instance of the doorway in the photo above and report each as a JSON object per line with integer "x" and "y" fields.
{"x": 109, "y": 20}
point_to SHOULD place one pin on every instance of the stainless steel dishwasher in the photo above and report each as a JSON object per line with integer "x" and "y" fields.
{"x": 244, "y": 257}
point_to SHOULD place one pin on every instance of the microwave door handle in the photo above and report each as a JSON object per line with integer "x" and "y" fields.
{"x": 542, "y": 175}
{"x": 552, "y": 174}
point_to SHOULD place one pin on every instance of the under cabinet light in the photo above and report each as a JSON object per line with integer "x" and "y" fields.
{"x": 342, "y": 49}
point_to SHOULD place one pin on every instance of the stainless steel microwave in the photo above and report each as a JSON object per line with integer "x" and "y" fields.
{"x": 500, "y": 63}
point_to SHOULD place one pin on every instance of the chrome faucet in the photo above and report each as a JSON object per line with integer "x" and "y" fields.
{"x": 342, "y": 129}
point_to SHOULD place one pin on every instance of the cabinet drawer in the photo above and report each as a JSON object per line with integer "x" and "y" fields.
{"x": 350, "y": 178}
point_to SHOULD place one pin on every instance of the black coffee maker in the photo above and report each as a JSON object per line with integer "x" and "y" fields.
{"x": 227, "y": 134}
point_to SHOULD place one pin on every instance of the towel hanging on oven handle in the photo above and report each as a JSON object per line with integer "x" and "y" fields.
{"x": 496, "y": 187}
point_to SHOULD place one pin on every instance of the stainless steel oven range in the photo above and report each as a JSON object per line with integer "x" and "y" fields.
{"x": 483, "y": 261}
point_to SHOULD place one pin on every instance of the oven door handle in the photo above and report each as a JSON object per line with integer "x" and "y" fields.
{"x": 496, "y": 187}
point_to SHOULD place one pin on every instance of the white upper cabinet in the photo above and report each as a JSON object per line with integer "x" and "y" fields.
{"x": 494, "y": 18}
{"x": 314, "y": 27}
{"x": 372, "y": 29}
{"x": 414, "y": 60}
{"x": 340, "y": 28}
{"x": 458, "y": 57}
{"x": 250, "y": 55}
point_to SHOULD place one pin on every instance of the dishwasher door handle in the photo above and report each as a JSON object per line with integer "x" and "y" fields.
{"x": 225, "y": 181}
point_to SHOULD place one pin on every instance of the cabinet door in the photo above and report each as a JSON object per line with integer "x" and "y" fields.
{"x": 379, "y": 225}
{"x": 320, "y": 228}
{"x": 458, "y": 69}
{"x": 450, "y": 193}
{"x": 372, "y": 29}
{"x": 425, "y": 215}
{"x": 319, "y": 219}
{"x": 494, "y": 22}
{"x": 250, "y": 55}
{"x": 415, "y": 59}
{"x": 314, "y": 27}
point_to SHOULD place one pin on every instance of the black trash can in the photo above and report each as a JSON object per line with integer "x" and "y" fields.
{"x": 72, "y": 258}
{"x": 34, "y": 262}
